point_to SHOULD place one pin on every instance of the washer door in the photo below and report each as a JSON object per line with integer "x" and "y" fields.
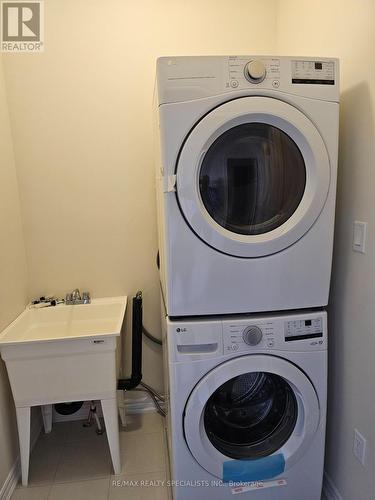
{"x": 251, "y": 418}
{"x": 252, "y": 176}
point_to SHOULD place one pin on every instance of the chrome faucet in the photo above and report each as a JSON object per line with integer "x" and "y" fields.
{"x": 75, "y": 297}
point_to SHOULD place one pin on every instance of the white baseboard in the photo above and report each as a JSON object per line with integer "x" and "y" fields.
{"x": 11, "y": 481}
{"x": 329, "y": 489}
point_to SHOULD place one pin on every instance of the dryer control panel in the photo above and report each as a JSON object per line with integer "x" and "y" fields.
{"x": 187, "y": 78}
{"x": 313, "y": 72}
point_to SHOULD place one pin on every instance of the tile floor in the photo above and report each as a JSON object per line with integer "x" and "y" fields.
{"x": 73, "y": 463}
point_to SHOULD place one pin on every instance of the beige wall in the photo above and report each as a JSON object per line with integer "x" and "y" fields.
{"x": 346, "y": 29}
{"x": 12, "y": 276}
{"x": 81, "y": 115}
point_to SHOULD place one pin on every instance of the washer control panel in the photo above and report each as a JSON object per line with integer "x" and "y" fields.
{"x": 244, "y": 336}
{"x": 302, "y": 329}
{"x": 252, "y": 335}
{"x": 299, "y": 332}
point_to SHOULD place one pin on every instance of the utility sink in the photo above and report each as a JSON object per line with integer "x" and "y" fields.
{"x": 61, "y": 354}
{"x": 102, "y": 317}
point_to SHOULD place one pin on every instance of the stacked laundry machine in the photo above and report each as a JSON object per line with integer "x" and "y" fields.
{"x": 246, "y": 181}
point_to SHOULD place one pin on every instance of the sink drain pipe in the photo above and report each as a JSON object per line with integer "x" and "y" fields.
{"x": 135, "y": 381}
{"x": 126, "y": 384}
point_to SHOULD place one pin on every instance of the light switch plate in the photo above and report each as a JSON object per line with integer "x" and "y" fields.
{"x": 359, "y": 236}
{"x": 359, "y": 446}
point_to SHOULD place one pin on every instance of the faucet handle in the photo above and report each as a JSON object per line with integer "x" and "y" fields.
{"x": 76, "y": 294}
{"x": 86, "y": 297}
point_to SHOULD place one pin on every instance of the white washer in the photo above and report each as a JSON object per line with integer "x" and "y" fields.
{"x": 246, "y": 177}
{"x": 246, "y": 403}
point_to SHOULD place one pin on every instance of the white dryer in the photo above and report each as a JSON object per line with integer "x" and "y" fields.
{"x": 246, "y": 401}
{"x": 246, "y": 177}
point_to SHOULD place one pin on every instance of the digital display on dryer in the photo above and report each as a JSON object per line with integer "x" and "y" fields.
{"x": 313, "y": 72}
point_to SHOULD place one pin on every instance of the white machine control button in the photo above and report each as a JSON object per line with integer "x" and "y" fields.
{"x": 252, "y": 335}
{"x": 255, "y": 71}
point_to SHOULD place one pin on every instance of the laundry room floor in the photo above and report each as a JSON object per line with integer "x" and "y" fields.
{"x": 73, "y": 463}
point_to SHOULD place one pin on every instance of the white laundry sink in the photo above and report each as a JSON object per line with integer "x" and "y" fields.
{"x": 62, "y": 354}
{"x": 102, "y": 317}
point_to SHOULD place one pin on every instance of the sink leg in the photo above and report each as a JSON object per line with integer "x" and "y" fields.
{"x": 109, "y": 407}
{"x": 47, "y": 418}
{"x": 23, "y": 423}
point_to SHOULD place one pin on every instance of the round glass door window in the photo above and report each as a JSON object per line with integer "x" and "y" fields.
{"x": 252, "y": 178}
{"x": 251, "y": 416}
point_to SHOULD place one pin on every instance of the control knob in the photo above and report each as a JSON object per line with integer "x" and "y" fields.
{"x": 255, "y": 71}
{"x": 252, "y": 335}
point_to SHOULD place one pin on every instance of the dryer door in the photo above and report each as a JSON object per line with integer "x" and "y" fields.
{"x": 252, "y": 176}
{"x": 251, "y": 418}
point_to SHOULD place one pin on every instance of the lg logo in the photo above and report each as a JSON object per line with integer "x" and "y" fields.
{"x": 22, "y": 26}
{"x": 181, "y": 330}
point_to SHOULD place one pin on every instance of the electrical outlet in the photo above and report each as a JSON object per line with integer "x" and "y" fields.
{"x": 359, "y": 446}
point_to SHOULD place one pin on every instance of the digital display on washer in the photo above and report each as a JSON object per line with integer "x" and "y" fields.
{"x": 303, "y": 329}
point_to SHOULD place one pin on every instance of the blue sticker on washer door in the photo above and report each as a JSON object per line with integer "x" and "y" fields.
{"x": 243, "y": 471}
